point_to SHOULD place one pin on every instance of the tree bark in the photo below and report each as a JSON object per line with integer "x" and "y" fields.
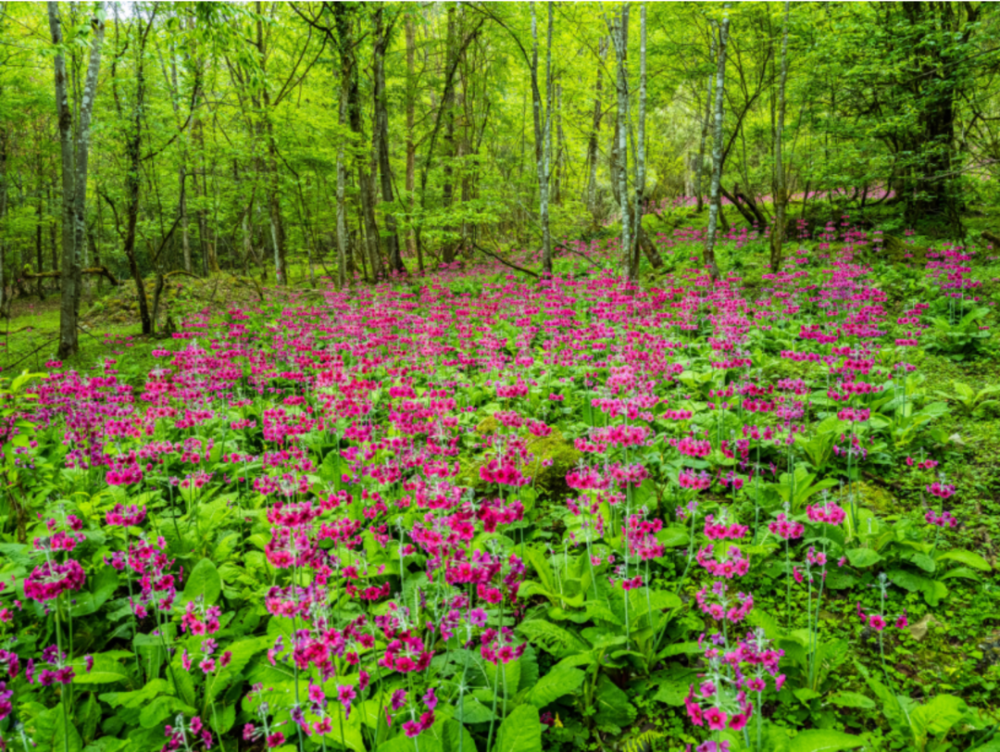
{"x": 133, "y": 178}
{"x": 780, "y": 197}
{"x": 74, "y": 167}
{"x": 547, "y": 150}
{"x": 595, "y": 129}
{"x": 343, "y": 16}
{"x": 620, "y": 38}
{"x": 640, "y": 152}
{"x": 542, "y": 133}
{"x": 411, "y": 148}
{"x": 3, "y": 214}
{"x": 557, "y": 183}
{"x": 448, "y": 111}
{"x": 700, "y": 164}
{"x": 714, "y": 204}
{"x": 342, "y": 241}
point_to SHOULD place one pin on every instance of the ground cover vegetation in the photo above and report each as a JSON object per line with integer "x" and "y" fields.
{"x": 655, "y": 409}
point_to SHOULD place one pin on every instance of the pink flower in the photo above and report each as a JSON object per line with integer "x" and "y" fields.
{"x": 716, "y": 719}
{"x": 876, "y": 622}
{"x": 345, "y": 694}
{"x": 738, "y": 721}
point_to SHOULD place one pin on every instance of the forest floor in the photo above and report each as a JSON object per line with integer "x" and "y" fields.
{"x": 952, "y": 644}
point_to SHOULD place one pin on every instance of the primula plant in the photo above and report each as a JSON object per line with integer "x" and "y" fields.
{"x": 576, "y": 514}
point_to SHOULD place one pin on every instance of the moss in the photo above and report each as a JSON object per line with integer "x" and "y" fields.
{"x": 488, "y": 425}
{"x": 898, "y": 250}
{"x": 553, "y": 457}
{"x": 875, "y": 498}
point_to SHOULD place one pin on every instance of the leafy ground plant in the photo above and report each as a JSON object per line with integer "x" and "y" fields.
{"x": 499, "y": 516}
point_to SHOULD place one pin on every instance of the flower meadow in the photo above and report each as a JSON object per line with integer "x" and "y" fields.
{"x": 474, "y": 512}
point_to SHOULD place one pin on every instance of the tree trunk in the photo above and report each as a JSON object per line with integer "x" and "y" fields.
{"x": 344, "y": 20}
{"x": 411, "y": 148}
{"x": 74, "y": 166}
{"x": 640, "y": 152}
{"x": 558, "y": 178}
{"x": 542, "y": 134}
{"x": 133, "y": 177}
{"x": 621, "y": 50}
{"x": 39, "y": 258}
{"x": 780, "y": 195}
{"x": 3, "y": 214}
{"x": 714, "y": 204}
{"x": 595, "y": 129}
{"x": 382, "y": 41}
{"x": 700, "y": 164}
{"x": 342, "y": 241}
{"x": 448, "y": 111}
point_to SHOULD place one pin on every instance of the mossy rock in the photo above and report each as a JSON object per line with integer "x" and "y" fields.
{"x": 990, "y": 648}
{"x": 898, "y": 249}
{"x": 873, "y": 497}
{"x": 550, "y": 477}
{"x": 487, "y": 426}
{"x": 563, "y": 455}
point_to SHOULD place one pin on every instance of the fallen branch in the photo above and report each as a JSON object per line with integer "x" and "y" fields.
{"x": 991, "y": 237}
{"x": 503, "y": 260}
{"x": 44, "y": 344}
{"x": 583, "y": 256}
{"x": 99, "y": 270}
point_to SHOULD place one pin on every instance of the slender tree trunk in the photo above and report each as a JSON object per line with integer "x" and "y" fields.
{"x": 700, "y": 164}
{"x": 542, "y": 133}
{"x": 3, "y": 214}
{"x": 182, "y": 209}
{"x": 381, "y": 131}
{"x": 714, "y": 205}
{"x": 342, "y": 240}
{"x": 780, "y": 194}
{"x": 411, "y": 148}
{"x": 343, "y": 16}
{"x": 74, "y": 165}
{"x": 39, "y": 257}
{"x": 640, "y": 152}
{"x": 620, "y": 38}
{"x": 448, "y": 111}
{"x": 595, "y": 130}
{"x": 547, "y": 148}
{"x": 50, "y": 198}
{"x": 558, "y": 180}
{"x": 133, "y": 178}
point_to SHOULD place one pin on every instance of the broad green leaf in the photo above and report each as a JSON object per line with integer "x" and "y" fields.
{"x": 823, "y": 740}
{"x": 845, "y": 699}
{"x": 558, "y": 682}
{"x": 613, "y": 706}
{"x": 204, "y": 581}
{"x": 98, "y": 677}
{"x": 967, "y": 558}
{"x": 863, "y": 557}
{"x": 521, "y": 731}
